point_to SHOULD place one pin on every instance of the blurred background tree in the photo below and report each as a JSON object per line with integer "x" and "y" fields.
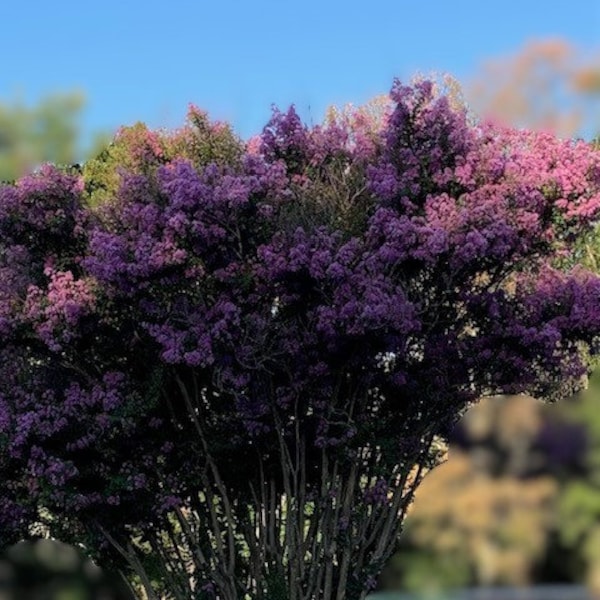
{"x": 484, "y": 516}
{"x": 579, "y": 501}
{"x": 548, "y": 84}
{"x": 47, "y": 132}
{"x": 517, "y": 502}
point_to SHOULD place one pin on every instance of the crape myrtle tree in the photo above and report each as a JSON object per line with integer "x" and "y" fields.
{"x": 225, "y": 379}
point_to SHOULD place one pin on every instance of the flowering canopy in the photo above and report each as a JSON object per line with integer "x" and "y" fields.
{"x": 260, "y": 350}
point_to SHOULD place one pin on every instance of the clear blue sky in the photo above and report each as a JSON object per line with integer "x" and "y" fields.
{"x": 147, "y": 60}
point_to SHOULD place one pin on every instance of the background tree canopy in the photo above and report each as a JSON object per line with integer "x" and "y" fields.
{"x": 46, "y": 132}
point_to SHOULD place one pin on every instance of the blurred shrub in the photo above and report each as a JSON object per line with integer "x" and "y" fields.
{"x": 49, "y": 570}
{"x": 516, "y": 503}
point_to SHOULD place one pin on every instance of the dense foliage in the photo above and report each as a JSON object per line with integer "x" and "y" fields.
{"x": 219, "y": 375}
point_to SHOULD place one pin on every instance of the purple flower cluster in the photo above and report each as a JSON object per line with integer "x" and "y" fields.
{"x": 377, "y": 493}
{"x": 56, "y": 310}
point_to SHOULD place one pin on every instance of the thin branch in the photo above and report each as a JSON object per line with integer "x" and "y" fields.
{"x": 131, "y": 557}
